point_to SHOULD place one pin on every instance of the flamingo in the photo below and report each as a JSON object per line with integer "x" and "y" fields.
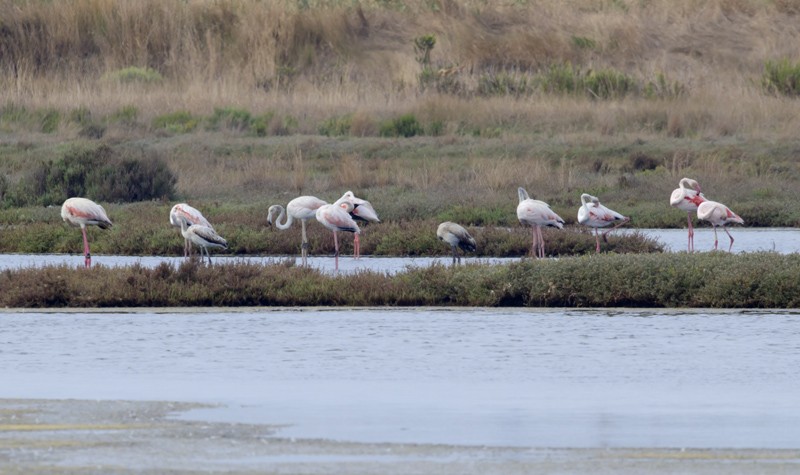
{"x": 203, "y": 236}
{"x": 688, "y": 200}
{"x": 194, "y": 217}
{"x": 595, "y": 215}
{"x": 82, "y": 212}
{"x": 456, "y": 236}
{"x": 302, "y": 208}
{"x": 337, "y": 218}
{"x": 718, "y": 215}
{"x": 363, "y": 212}
{"x": 537, "y": 214}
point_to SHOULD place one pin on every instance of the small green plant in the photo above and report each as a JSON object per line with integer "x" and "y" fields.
{"x": 583, "y": 42}
{"x": 781, "y": 77}
{"x": 134, "y": 75}
{"x": 504, "y": 83}
{"x": 81, "y": 116}
{"x": 403, "y": 126}
{"x": 608, "y": 84}
{"x": 436, "y": 128}
{"x": 260, "y": 125}
{"x": 50, "y": 118}
{"x": 336, "y": 125}
{"x": 232, "y": 118}
{"x": 126, "y": 115}
{"x": 662, "y": 89}
{"x": 175, "y": 122}
{"x": 423, "y": 45}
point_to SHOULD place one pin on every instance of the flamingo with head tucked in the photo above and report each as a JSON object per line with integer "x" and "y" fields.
{"x": 302, "y": 208}
{"x": 718, "y": 215}
{"x": 456, "y": 236}
{"x": 688, "y": 199}
{"x": 362, "y": 211}
{"x": 595, "y": 215}
{"x": 203, "y": 236}
{"x": 193, "y": 216}
{"x": 337, "y": 218}
{"x": 537, "y": 214}
{"x": 80, "y": 212}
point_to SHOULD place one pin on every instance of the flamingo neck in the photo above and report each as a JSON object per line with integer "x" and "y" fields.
{"x": 523, "y": 195}
{"x": 287, "y": 222}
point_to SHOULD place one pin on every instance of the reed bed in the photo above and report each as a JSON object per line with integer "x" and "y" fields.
{"x": 714, "y": 279}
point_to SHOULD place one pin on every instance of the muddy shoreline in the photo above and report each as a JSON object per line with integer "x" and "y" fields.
{"x": 85, "y": 437}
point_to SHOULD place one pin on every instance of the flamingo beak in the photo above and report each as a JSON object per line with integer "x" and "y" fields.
{"x": 697, "y": 188}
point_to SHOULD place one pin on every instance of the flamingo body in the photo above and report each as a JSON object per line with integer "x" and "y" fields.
{"x": 194, "y": 216}
{"x": 302, "y": 208}
{"x": 457, "y": 237}
{"x": 718, "y": 215}
{"x": 362, "y": 211}
{"x": 537, "y": 214}
{"x": 687, "y": 199}
{"x": 337, "y": 218}
{"x": 81, "y": 212}
{"x": 595, "y": 215}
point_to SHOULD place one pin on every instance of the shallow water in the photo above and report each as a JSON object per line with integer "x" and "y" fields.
{"x": 547, "y": 378}
{"x": 782, "y": 240}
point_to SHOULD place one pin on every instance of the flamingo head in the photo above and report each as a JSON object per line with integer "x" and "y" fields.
{"x": 272, "y": 210}
{"x": 347, "y": 206}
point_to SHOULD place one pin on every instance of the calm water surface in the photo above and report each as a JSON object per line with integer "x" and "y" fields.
{"x": 547, "y": 378}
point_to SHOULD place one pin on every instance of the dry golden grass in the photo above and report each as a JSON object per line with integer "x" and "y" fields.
{"x": 332, "y": 59}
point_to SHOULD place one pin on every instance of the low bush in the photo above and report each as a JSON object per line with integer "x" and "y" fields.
{"x": 232, "y": 118}
{"x": 336, "y": 126}
{"x": 781, "y": 77}
{"x": 175, "y": 122}
{"x": 403, "y": 126}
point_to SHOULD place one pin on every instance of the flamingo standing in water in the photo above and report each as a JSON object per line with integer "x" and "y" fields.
{"x": 595, "y": 215}
{"x": 302, "y": 208}
{"x": 193, "y": 216}
{"x": 456, "y": 236}
{"x": 688, "y": 200}
{"x": 82, "y": 212}
{"x": 337, "y": 218}
{"x": 363, "y": 211}
{"x": 718, "y": 215}
{"x": 203, "y": 236}
{"x": 537, "y": 214}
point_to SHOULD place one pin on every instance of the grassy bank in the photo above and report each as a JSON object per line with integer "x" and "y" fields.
{"x": 716, "y": 279}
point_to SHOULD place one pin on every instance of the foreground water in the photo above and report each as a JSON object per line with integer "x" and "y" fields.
{"x": 545, "y": 378}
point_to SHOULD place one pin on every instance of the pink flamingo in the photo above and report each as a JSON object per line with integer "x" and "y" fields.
{"x": 688, "y": 200}
{"x": 337, "y": 218}
{"x": 595, "y": 215}
{"x": 193, "y": 216}
{"x": 456, "y": 236}
{"x": 363, "y": 211}
{"x": 537, "y": 214}
{"x": 82, "y": 212}
{"x": 302, "y": 208}
{"x": 718, "y": 215}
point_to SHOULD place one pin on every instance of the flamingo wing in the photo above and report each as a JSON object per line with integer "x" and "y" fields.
{"x": 84, "y": 212}
{"x": 208, "y": 235}
{"x": 191, "y": 214}
{"x": 336, "y": 219}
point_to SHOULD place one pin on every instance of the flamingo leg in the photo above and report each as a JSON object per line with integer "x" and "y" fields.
{"x": 304, "y": 246}
{"x": 597, "y": 239}
{"x": 729, "y": 235}
{"x": 691, "y": 231}
{"x": 715, "y": 238}
{"x": 453, "y": 248}
{"x": 533, "y": 246}
{"x": 357, "y": 246}
{"x": 541, "y": 241}
{"x": 615, "y": 227}
{"x": 336, "y": 246}
{"x": 208, "y": 255}
{"x": 87, "y": 262}
{"x": 185, "y": 248}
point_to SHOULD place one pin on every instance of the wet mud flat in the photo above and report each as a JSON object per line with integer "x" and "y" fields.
{"x": 88, "y": 437}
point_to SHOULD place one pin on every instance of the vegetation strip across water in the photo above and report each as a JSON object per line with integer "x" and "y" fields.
{"x": 715, "y": 279}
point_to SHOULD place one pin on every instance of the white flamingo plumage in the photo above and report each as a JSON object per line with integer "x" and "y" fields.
{"x": 363, "y": 211}
{"x": 80, "y": 212}
{"x": 718, "y": 215}
{"x": 537, "y": 214}
{"x": 456, "y": 236}
{"x": 194, "y": 217}
{"x": 203, "y": 236}
{"x": 687, "y": 199}
{"x": 337, "y": 218}
{"x": 302, "y": 208}
{"x": 595, "y": 215}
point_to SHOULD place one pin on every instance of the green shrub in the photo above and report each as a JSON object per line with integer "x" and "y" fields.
{"x": 175, "y": 122}
{"x": 81, "y": 115}
{"x": 232, "y": 118}
{"x": 260, "y": 125}
{"x": 127, "y": 115}
{"x": 336, "y": 125}
{"x": 781, "y": 77}
{"x": 436, "y": 128}
{"x": 12, "y": 113}
{"x": 661, "y": 89}
{"x": 608, "y": 84}
{"x": 503, "y": 83}
{"x": 583, "y": 42}
{"x": 403, "y": 126}
{"x": 134, "y": 75}
{"x": 98, "y": 173}
{"x": 49, "y": 120}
